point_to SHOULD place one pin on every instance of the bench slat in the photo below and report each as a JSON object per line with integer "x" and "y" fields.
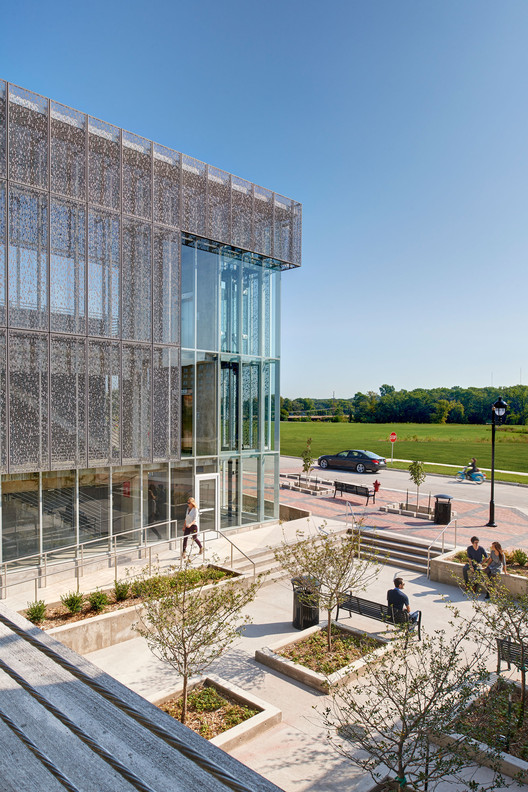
{"x": 375, "y": 610}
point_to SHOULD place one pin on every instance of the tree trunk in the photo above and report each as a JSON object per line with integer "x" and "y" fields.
{"x": 329, "y": 631}
{"x": 520, "y": 720}
{"x": 184, "y": 699}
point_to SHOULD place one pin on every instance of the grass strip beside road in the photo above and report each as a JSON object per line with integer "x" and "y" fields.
{"x": 451, "y": 444}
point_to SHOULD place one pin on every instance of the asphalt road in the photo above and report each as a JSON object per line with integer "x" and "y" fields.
{"x": 399, "y": 481}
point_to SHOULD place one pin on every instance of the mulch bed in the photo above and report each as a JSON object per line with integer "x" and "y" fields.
{"x": 488, "y": 718}
{"x": 209, "y": 712}
{"x": 312, "y": 652}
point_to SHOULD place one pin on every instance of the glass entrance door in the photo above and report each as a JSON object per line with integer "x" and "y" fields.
{"x": 207, "y": 501}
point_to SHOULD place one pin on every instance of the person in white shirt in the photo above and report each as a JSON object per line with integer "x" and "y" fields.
{"x": 190, "y": 526}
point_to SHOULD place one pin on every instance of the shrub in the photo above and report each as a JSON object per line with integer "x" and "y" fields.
{"x": 36, "y": 611}
{"x": 73, "y": 601}
{"x": 98, "y": 600}
{"x": 121, "y": 589}
{"x": 519, "y": 557}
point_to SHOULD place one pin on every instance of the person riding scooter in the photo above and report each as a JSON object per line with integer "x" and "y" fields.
{"x": 471, "y": 468}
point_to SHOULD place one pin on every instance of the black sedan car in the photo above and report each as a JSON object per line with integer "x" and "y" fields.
{"x": 360, "y": 461}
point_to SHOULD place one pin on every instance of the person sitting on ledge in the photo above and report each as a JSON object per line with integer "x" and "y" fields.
{"x": 400, "y": 601}
{"x": 476, "y": 555}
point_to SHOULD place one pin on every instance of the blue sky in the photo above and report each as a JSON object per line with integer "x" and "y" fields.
{"x": 401, "y": 126}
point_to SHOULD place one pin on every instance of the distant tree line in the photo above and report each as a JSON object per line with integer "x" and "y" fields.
{"x": 435, "y": 405}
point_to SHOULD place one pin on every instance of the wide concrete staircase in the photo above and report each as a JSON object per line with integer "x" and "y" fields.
{"x": 397, "y": 550}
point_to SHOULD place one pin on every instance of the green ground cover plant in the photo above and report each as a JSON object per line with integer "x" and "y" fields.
{"x": 36, "y": 611}
{"x": 451, "y": 444}
{"x": 208, "y": 712}
{"x": 313, "y": 652}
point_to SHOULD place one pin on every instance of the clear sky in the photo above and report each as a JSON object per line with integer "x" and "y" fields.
{"x": 401, "y": 126}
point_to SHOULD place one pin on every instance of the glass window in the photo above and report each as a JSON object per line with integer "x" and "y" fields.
{"x": 207, "y": 300}
{"x": 229, "y": 492}
{"x": 137, "y": 175}
{"x": 136, "y": 280}
{"x": 271, "y": 402}
{"x": 68, "y": 151}
{"x": 250, "y": 405}
{"x": 28, "y": 137}
{"x": 229, "y": 401}
{"x": 103, "y": 274}
{"x": 182, "y": 487}
{"x": 3, "y": 251}
{"x": 271, "y": 486}
{"x": 104, "y": 445}
{"x": 20, "y": 515}
{"x": 229, "y": 303}
{"x": 67, "y": 400}
{"x": 166, "y": 286}
{"x": 250, "y": 489}
{"x": 206, "y": 404}
{"x": 251, "y": 300}
{"x": 94, "y": 504}
{"x": 59, "y": 523}
{"x": 156, "y": 501}
{"x": 104, "y": 163}
{"x": 166, "y": 186}
{"x": 28, "y": 272}
{"x": 28, "y": 414}
{"x": 3, "y": 91}
{"x": 67, "y": 268}
{"x": 136, "y": 392}
{"x": 126, "y": 504}
{"x": 3, "y": 408}
{"x": 187, "y": 399}
{"x": 188, "y": 278}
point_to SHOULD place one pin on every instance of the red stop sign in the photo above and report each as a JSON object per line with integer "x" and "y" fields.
{"x": 393, "y": 437}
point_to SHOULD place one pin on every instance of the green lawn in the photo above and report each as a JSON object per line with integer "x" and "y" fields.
{"x": 452, "y": 444}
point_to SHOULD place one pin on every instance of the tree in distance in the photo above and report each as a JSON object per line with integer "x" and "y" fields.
{"x": 189, "y": 626}
{"x": 308, "y": 458}
{"x": 327, "y": 565}
{"x": 415, "y": 691}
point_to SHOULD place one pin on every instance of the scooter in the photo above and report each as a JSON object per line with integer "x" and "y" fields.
{"x": 477, "y": 477}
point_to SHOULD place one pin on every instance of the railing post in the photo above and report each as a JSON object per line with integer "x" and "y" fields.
{"x": 231, "y": 545}
{"x": 77, "y": 573}
{"x": 36, "y": 588}
{"x": 150, "y": 560}
{"x": 45, "y": 570}
{"x": 115, "y": 558}
{"x": 82, "y": 560}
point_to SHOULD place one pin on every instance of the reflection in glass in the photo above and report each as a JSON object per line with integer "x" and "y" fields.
{"x": 188, "y": 277}
{"x": 271, "y": 486}
{"x": 229, "y": 492}
{"x": 156, "y": 501}
{"x": 94, "y": 504}
{"x": 187, "y": 399}
{"x": 126, "y": 504}
{"x": 182, "y": 487}
{"x": 250, "y": 489}
{"x": 206, "y": 403}
{"x": 20, "y": 515}
{"x": 250, "y": 405}
{"x": 229, "y": 371}
{"x": 59, "y": 520}
{"x": 207, "y": 300}
{"x": 229, "y": 304}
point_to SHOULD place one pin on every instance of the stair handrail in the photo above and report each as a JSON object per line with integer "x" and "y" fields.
{"x": 233, "y": 546}
{"x": 441, "y": 534}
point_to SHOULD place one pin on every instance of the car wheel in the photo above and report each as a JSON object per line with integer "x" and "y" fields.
{"x": 360, "y": 467}
{"x": 323, "y": 463}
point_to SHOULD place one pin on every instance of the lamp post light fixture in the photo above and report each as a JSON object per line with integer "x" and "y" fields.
{"x": 497, "y": 412}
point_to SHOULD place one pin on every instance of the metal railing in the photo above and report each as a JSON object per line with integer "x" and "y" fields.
{"x": 442, "y": 535}
{"x": 45, "y": 568}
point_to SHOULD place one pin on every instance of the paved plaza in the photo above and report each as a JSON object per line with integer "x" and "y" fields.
{"x": 295, "y": 754}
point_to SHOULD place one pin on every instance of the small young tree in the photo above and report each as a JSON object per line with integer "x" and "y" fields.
{"x": 504, "y": 616}
{"x": 189, "y": 627}
{"x": 307, "y": 458}
{"x": 417, "y": 476}
{"x": 416, "y": 690}
{"x": 328, "y": 566}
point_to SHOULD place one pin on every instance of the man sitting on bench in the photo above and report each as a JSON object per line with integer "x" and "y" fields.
{"x": 399, "y": 601}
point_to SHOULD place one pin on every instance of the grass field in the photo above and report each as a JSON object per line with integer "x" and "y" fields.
{"x": 452, "y": 444}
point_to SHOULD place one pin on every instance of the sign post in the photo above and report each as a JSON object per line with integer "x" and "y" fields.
{"x": 393, "y": 437}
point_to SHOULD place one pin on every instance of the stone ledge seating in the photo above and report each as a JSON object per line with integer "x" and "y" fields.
{"x": 510, "y": 652}
{"x": 375, "y": 610}
{"x": 355, "y": 489}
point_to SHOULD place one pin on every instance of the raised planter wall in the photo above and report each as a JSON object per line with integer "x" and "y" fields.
{"x": 269, "y": 656}
{"x": 267, "y": 717}
{"x": 100, "y": 632}
{"x": 444, "y": 570}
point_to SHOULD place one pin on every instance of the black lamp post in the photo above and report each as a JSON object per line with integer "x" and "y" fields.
{"x": 497, "y": 412}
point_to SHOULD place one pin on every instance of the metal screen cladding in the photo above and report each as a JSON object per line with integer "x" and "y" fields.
{"x": 67, "y": 266}
{"x": 3, "y": 252}
{"x": 3, "y": 126}
{"x": 67, "y": 402}
{"x": 27, "y": 258}
{"x": 218, "y": 195}
{"x": 137, "y": 176}
{"x": 193, "y": 191}
{"x": 104, "y": 163}
{"x": 28, "y": 137}
{"x": 104, "y": 403}
{"x": 136, "y": 280}
{"x": 28, "y": 401}
{"x": 68, "y": 151}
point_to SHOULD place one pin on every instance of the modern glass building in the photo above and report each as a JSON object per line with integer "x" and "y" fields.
{"x": 139, "y": 335}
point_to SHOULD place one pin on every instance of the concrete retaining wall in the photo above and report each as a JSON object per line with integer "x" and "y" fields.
{"x": 444, "y": 570}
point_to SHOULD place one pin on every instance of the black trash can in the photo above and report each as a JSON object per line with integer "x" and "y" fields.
{"x": 305, "y": 603}
{"x": 442, "y": 510}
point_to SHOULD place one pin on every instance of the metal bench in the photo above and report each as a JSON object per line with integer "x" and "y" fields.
{"x": 511, "y": 652}
{"x": 375, "y": 610}
{"x": 355, "y": 489}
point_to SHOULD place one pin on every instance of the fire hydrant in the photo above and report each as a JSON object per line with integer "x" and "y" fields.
{"x": 376, "y": 485}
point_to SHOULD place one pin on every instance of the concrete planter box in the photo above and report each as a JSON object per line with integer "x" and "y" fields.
{"x": 269, "y": 656}
{"x": 444, "y": 570}
{"x": 100, "y": 632}
{"x": 507, "y": 764}
{"x": 238, "y": 735}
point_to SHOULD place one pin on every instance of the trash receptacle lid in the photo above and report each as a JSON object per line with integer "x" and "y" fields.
{"x": 444, "y": 497}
